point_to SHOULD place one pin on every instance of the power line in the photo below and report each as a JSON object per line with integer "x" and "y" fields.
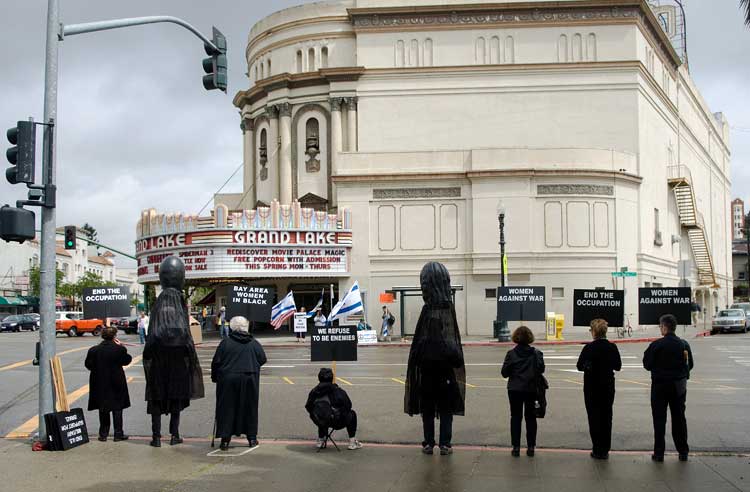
{"x": 222, "y": 187}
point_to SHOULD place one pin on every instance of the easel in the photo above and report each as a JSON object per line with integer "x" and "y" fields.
{"x": 58, "y": 380}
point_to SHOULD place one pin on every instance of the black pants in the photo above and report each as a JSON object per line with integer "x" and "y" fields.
{"x": 428, "y": 424}
{"x": 599, "y": 401}
{"x": 351, "y": 427}
{"x": 522, "y": 406}
{"x": 174, "y": 424}
{"x": 670, "y": 394}
{"x": 104, "y": 423}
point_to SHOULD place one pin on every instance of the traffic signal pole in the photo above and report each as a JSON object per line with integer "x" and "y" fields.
{"x": 56, "y": 33}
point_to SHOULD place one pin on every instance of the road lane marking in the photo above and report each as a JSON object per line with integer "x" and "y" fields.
{"x": 27, "y": 362}
{"x": 573, "y": 381}
{"x": 339, "y": 378}
{"x": 633, "y": 382}
{"x": 225, "y": 454}
{"x": 399, "y": 381}
{"x": 288, "y": 380}
{"x": 470, "y": 385}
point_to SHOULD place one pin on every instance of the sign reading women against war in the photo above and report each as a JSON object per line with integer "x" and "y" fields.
{"x": 106, "y": 302}
{"x": 521, "y": 303}
{"x": 591, "y": 304}
{"x": 252, "y": 302}
{"x": 333, "y": 343}
{"x": 654, "y": 302}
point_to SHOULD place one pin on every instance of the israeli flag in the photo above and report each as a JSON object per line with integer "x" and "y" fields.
{"x": 350, "y": 304}
{"x": 282, "y": 311}
{"x": 319, "y": 305}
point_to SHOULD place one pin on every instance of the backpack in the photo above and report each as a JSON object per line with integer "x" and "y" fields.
{"x": 323, "y": 414}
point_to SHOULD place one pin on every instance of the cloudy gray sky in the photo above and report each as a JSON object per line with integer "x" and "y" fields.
{"x": 138, "y": 130}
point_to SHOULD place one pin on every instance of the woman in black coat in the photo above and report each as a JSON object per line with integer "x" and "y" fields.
{"x": 108, "y": 388}
{"x": 235, "y": 369}
{"x": 436, "y": 376}
{"x": 598, "y": 361}
{"x": 522, "y": 366}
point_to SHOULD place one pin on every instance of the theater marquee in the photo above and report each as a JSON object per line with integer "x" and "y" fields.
{"x": 257, "y": 252}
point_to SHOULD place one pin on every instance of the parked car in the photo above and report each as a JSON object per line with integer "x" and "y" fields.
{"x": 73, "y": 324}
{"x": 745, "y": 306}
{"x": 728, "y": 320}
{"x": 18, "y": 322}
{"x": 129, "y": 325}
{"x": 36, "y": 316}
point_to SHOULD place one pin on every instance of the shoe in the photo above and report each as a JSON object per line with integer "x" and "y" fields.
{"x": 122, "y": 437}
{"x": 253, "y": 443}
{"x": 683, "y": 457}
{"x": 597, "y": 456}
{"x": 427, "y": 449}
{"x": 224, "y": 446}
{"x": 155, "y": 442}
{"x": 102, "y": 438}
{"x": 354, "y": 444}
{"x": 320, "y": 443}
{"x": 530, "y": 451}
{"x": 445, "y": 450}
{"x": 659, "y": 458}
{"x": 516, "y": 452}
{"x": 176, "y": 439}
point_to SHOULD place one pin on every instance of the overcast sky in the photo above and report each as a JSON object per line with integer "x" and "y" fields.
{"x": 137, "y": 129}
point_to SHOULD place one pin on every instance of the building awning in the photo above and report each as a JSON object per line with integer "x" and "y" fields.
{"x": 208, "y": 300}
{"x": 19, "y": 301}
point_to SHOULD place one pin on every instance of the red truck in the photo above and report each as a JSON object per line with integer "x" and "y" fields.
{"x": 70, "y": 322}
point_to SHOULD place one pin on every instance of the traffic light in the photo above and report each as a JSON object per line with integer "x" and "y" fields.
{"x": 21, "y": 155}
{"x": 216, "y": 65}
{"x": 70, "y": 237}
{"x": 16, "y": 224}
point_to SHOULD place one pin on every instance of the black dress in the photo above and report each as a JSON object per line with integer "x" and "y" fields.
{"x": 107, "y": 384}
{"x": 236, "y": 371}
{"x": 598, "y": 361}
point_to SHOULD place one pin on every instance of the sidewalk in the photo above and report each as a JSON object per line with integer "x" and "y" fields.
{"x": 288, "y": 466}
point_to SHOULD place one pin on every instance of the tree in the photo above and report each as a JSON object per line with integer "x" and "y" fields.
{"x": 35, "y": 281}
{"x": 89, "y": 231}
{"x": 745, "y": 4}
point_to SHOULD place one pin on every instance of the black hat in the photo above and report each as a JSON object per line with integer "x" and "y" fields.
{"x": 325, "y": 375}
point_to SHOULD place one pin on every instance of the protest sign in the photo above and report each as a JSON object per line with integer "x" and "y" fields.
{"x": 367, "y": 337}
{"x": 300, "y": 323}
{"x": 252, "y": 302}
{"x": 66, "y": 430}
{"x": 106, "y": 302}
{"x": 591, "y": 304}
{"x": 654, "y": 302}
{"x": 521, "y": 303}
{"x": 333, "y": 343}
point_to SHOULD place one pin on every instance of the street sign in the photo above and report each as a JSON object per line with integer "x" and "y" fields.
{"x": 624, "y": 274}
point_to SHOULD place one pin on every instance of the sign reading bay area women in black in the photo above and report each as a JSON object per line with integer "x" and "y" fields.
{"x": 254, "y": 303}
{"x": 333, "y": 343}
{"x": 106, "y": 302}
{"x": 654, "y": 302}
{"x": 608, "y": 305}
{"x": 521, "y": 303}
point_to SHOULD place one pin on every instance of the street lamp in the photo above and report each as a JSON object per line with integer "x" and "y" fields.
{"x": 500, "y": 326}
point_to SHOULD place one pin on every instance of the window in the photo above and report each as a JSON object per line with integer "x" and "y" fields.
{"x": 311, "y": 60}
{"x": 657, "y": 231}
{"x": 324, "y": 57}
{"x": 312, "y": 145}
{"x": 299, "y": 61}
{"x": 400, "y": 54}
{"x": 741, "y": 276}
{"x": 558, "y": 292}
{"x": 490, "y": 293}
{"x": 480, "y": 51}
{"x": 262, "y": 76}
{"x": 268, "y": 72}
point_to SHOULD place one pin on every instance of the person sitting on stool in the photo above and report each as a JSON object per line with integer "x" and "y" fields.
{"x": 330, "y": 407}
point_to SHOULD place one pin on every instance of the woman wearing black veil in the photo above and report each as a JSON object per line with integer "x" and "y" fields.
{"x": 436, "y": 376}
{"x": 173, "y": 372}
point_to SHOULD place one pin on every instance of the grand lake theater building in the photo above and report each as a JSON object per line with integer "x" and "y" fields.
{"x": 382, "y": 134}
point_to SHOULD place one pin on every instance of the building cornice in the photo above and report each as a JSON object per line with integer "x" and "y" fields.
{"x": 296, "y": 40}
{"x": 252, "y": 43}
{"x": 504, "y": 173}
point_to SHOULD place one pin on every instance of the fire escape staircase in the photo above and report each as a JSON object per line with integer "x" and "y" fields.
{"x": 680, "y": 180}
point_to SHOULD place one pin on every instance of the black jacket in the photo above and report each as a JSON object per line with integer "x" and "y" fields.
{"x": 598, "y": 361}
{"x": 339, "y": 400}
{"x": 107, "y": 384}
{"x": 239, "y": 354}
{"x": 668, "y": 359}
{"x": 521, "y": 366}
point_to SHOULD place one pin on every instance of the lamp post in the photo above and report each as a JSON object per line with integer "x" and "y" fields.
{"x": 500, "y": 326}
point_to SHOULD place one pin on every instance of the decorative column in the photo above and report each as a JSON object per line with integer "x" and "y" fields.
{"x": 249, "y": 171}
{"x": 273, "y": 150}
{"x": 351, "y": 108}
{"x": 336, "y": 138}
{"x": 285, "y": 154}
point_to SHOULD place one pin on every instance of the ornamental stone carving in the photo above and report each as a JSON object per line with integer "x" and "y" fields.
{"x": 336, "y": 103}
{"x": 351, "y": 103}
{"x": 397, "y": 193}
{"x": 575, "y": 189}
{"x": 272, "y": 112}
{"x": 285, "y": 109}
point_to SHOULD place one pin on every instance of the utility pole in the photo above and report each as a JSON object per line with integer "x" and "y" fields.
{"x": 56, "y": 33}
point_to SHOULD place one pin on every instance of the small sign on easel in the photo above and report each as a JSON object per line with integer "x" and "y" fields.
{"x": 66, "y": 428}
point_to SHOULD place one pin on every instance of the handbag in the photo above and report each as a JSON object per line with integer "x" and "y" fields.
{"x": 541, "y": 386}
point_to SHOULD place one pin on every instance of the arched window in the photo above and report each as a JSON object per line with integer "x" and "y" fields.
{"x": 510, "y": 50}
{"x": 495, "y": 56}
{"x": 414, "y": 53}
{"x": 256, "y": 73}
{"x": 311, "y": 60}
{"x": 480, "y": 52}
{"x": 262, "y": 76}
{"x": 268, "y": 71}
{"x": 591, "y": 47}
{"x": 400, "y": 53}
{"x": 299, "y": 61}
{"x": 428, "y": 61}
{"x": 562, "y": 49}
{"x": 312, "y": 145}
{"x": 577, "y": 47}
{"x": 324, "y": 57}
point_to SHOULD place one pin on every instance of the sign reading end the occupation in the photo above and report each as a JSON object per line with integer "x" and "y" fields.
{"x": 521, "y": 303}
{"x": 654, "y": 302}
{"x": 333, "y": 343}
{"x": 608, "y": 305}
{"x": 106, "y": 302}
{"x": 252, "y": 302}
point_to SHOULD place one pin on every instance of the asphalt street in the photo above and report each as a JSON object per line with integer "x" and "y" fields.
{"x": 718, "y": 415}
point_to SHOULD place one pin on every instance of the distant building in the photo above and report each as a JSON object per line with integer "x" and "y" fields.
{"x": 738, "y": 219}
